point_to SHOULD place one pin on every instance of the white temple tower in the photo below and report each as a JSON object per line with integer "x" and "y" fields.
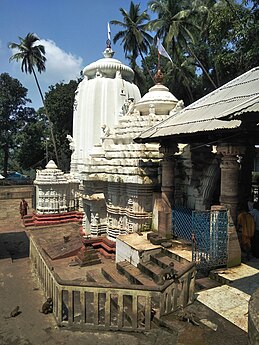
{"x": 101, "y": 98}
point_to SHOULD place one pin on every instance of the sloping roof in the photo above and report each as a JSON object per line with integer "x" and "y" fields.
{"x": 217, "y": 110}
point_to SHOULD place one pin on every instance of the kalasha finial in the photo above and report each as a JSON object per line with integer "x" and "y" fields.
{"x": 159, "y": 77}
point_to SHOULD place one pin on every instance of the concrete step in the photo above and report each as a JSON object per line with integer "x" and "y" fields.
{"x": 177, "y": 255}
{"x": 205, "y": 283}
{"x": 151, "y": 269}
{"x": 134, "y": 274}
{"x": 96, "y": 276}
{"x": 161, "y": 259}
{"x": 113, "y": 275}
{"x": 165, "y": 258}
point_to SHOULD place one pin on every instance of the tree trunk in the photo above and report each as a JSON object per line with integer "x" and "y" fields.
{"x": 201, "y": 65}
{"x": 50, "y": 123}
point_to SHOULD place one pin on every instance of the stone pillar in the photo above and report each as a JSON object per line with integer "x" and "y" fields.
{"x": 229, "y": 176}
{"x": 167, "y": 191}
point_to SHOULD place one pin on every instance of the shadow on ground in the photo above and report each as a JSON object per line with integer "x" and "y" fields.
{"x": 14, "y": 245}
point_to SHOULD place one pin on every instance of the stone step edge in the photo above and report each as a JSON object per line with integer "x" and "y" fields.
{"x": 138, "y": 277}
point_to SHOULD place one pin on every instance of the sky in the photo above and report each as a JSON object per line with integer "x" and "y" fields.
{"x": 74, "y": 33}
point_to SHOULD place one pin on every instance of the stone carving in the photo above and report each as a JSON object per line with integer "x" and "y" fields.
{"x": 118, "y": 74}
{"x": 76, "y": 100}
{"x": 98, "y": 73}
{"x": 152, "y": 110}
{"x": 95, "y": 219}
{"x": 128, "y": 105}
{"x": 106, "y": 130}
{"x": 179, "y": 106}
{"x": 71, "y": 142}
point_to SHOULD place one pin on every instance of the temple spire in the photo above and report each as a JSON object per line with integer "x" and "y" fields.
{"x": 108, "y": 52}
{"x": 108, "y": 42}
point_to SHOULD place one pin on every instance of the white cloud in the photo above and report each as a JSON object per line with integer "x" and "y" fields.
{"x": 60, "y": 66}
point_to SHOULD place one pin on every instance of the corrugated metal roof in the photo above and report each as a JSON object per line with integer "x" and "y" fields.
{"x": 214, "y": 111}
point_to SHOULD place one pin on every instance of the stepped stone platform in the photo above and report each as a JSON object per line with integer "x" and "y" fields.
{"x": 102, "y": 244}
{"x": 35, "y": 219}
{"x": 64, "y": 258}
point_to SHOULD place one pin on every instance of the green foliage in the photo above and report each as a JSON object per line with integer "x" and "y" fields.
{"x": 29, "y": 53}
{"x": 32, "y": 55}
{"x": 32, "y": 143}
{"x": 210, "y": 42}
{"x": 13, "y": 114}
{"x": 59, "y": 102}
{"x": 135, "y": 38}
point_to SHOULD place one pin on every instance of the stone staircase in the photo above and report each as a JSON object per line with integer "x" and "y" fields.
{"x": 147, "y": 273}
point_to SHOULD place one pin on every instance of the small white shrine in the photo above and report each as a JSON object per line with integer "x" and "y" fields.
{"x": 55, "y": 191}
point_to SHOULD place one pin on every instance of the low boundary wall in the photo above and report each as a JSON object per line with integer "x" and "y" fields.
{"x": 78, "y": 304}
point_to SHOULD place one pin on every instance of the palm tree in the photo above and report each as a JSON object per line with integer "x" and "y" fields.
{"x": 176, "y": 24}
{"x": 31, "y": 56}
{"x": 134, "y": 37}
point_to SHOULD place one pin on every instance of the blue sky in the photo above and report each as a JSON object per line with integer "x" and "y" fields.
{"x": 73, "y": 32}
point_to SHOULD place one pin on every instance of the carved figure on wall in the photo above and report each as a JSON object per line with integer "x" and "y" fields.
{"x": 152, "y": 110}
{"x": 120, "y": 222}
{"x": 106, "y": 130}
{"x": 128, "y": 105}
{"x": 98, "y": 73}
{"x": 179, "y": 105}
{"x": 76, "y": 100}
{"x": 94, "y": 219}
{"x": 71, "y": 142}
{"x": 118, "y": 74}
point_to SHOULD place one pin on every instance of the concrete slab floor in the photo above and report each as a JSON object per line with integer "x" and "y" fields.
{"x": 228, "y": 302}
{"x": 137, "y": 242}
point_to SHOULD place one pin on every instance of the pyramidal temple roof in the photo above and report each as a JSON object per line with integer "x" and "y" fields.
{"x": 217, "y": 110}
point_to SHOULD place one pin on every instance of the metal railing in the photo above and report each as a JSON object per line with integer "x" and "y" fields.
{"x": 210, "y": 238}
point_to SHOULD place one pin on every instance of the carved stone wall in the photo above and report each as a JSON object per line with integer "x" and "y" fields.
{"x": 197, "y": 175}
{"x": 55, "y": 191}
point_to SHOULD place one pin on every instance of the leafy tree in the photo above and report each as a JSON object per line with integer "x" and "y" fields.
{"x": 134, "y": 37}
{"x": 13, "y": 114}
{"x": 59, "y": 101}
{"x": 32, "y": 143}
{"x": 32, "y": 55}
{"x": 228, "y": 45}
{"x": 179, "y": 23}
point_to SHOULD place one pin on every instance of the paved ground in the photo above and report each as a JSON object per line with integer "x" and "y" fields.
{"x": 19, "y": 286}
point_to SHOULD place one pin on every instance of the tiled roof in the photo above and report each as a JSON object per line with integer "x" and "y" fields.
{"x": 214, "y": 111}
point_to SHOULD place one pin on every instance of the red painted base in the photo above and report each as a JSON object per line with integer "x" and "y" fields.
{"x": 35, "y": 219}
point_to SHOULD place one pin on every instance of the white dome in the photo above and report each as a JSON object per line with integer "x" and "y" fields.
{"x": 159, "y": 96}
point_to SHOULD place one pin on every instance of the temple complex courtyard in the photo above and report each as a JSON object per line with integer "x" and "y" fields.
{"x": 20, "y": 286}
